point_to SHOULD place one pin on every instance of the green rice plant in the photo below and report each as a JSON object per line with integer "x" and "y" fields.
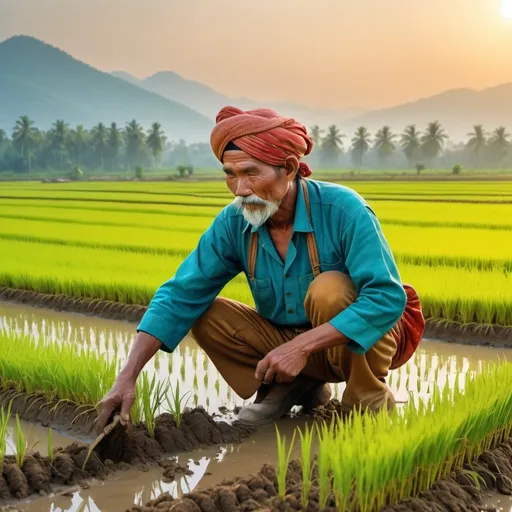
{"x": 283, "y": 461}
{"x": 5, "y": 414}
{"x": 21, "y": 443}
{"x": 175, "y": 405}
{"x": 369, "y": 461}
{"x": 151, "y": 395}
{"x": 51, "y": 452}
{"x": 54, "y": 373}
{"x": 306, "y": 440}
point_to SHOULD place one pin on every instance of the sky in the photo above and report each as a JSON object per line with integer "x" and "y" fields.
{"x": 323, "y": 53}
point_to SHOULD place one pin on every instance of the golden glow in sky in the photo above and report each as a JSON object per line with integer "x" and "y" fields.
{"x": 506, "y": 8}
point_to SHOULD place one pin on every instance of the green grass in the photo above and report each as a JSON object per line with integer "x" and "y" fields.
{"x": 365, "y": 468}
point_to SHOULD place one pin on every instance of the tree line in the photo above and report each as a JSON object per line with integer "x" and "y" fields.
{"x": 111, "y": 147}
{"x": 420, "y": 149}
{"x": 104, "y": 147}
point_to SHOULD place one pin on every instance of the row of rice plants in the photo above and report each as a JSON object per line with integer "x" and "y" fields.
{"x": 479, "y": 248}
{"x": 198, "y": 219}
{"x": 360, "y": 466}
{"x": 463, "y": 295}
{"x": 52, "y": 374}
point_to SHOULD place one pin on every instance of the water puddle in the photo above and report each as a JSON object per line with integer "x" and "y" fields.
{"x": 35, "y": 437}
{"x": 499, "y": 501}
{"x": 434, "y": 364}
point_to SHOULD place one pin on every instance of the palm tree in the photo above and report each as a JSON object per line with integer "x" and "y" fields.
{"x": 384, "y": 142}
{"x": 78, "y": 142}
{"x": 432, "y": 141}
{"x": 156, "y": 141}
{"x": 360, "y": 144}
{"x": 135, "y": 139}
{"x": 410, "y": 143}
{"x": 99, "y": 138}
{"x": 499, "y": 144}
{"x": 58, "y": 137}
{"x": 23, "y": 137}
{"x": 114, "y": 143}
{"x": 477, "y": 142}
{"x": 331, "y": 145}
{"x": 316, "y": 134}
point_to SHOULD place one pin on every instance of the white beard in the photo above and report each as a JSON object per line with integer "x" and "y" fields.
{"x": 256, "y": 217}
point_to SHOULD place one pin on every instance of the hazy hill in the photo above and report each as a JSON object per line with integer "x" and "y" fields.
{"x": 47, "y": 84}
{"x": 457, "y": 109}
{"x": 206, "y": 100}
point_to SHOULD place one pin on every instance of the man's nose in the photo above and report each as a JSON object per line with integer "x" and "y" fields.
{"x": 242, "y": 188}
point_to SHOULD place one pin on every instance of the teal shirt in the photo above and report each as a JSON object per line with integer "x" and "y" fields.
{"x": 349, "y": 239}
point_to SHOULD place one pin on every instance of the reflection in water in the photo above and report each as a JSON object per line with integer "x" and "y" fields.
{"x": 435, "y": 364}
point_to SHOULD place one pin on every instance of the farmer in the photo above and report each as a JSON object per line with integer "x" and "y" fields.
{"x": 330, "y": 304}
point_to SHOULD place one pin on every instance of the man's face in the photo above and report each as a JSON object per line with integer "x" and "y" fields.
{"x": 258, "y": 188}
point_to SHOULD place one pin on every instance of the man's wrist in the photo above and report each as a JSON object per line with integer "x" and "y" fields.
{"x": 321, "y": 338}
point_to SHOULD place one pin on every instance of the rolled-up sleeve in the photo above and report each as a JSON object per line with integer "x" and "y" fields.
{"x": 381, "y": 297}
{"x": 181, "y": 300}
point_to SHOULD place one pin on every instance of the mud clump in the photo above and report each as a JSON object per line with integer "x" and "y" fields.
{"x": 456, "y": 493}
{"x": 64, "y": 467}
{"x": 121, "y": 449}
{"x": 38, "y": 473}
{"x": 5, "y": 493}
{"x": 16, "y": 480}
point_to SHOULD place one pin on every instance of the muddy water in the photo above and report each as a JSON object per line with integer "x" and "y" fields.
{"x": 434, "y": 364}
{"x": 500, "y": 502}
{"x": 35, "y": 437}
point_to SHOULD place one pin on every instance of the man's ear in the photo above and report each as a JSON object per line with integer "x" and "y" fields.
{"x": 291, "y": 166}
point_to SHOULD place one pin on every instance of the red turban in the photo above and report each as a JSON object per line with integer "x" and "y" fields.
{"x": 263, "y": 134}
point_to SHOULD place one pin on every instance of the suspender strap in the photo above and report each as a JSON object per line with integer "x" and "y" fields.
{"x": 253, "y": 249}
{"x": 310, "y": 239}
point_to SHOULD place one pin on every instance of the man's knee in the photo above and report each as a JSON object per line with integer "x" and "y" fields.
{"x": 330, "y": 293}
{"x": 210, "y": 321}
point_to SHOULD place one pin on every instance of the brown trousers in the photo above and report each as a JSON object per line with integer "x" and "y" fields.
{"x": 236, "y": 338}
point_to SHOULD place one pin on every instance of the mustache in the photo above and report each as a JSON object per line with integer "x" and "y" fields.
{"x": 252, "y": 199}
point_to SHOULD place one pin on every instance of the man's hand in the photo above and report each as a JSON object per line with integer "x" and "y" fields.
{"x": 119, "y": 398}
{"x": 284, "y": 362}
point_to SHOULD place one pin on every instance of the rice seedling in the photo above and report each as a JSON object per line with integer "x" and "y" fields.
{"x": 54, "y": 373}
{"x": 283, "y": 461}
{"x": 5, "y": 414}
{"x": 306, "y": 439}
{"x": 21, "y": 443}
{"x": 51, "y": 452}
{"x": 175, "y": 405}
{"x": 151, "y": 395}
{"x": 364, "y": 467}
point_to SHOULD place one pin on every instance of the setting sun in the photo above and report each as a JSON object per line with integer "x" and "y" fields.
{"x": 506, "y": 8}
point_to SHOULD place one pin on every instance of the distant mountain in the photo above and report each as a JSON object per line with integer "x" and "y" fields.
{"x": 47, "y": 84}
{"x": 206, "y": 100}
{"x": 458, "y": 110}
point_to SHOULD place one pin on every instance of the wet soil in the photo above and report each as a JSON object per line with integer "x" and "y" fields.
{"x": 83, "y": 305}
{"x": 122, "y": 449}
{"x": 473, "y": 334}
{"x": 455, "y": 493}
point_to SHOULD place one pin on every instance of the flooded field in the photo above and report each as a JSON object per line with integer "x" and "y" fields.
{"x": 434, "y": 364}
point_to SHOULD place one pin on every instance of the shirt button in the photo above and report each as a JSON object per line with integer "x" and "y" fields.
{"x": 290, "y": 310}
{"x": 287, "y": 275}
{"x": 288, "y": 294}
